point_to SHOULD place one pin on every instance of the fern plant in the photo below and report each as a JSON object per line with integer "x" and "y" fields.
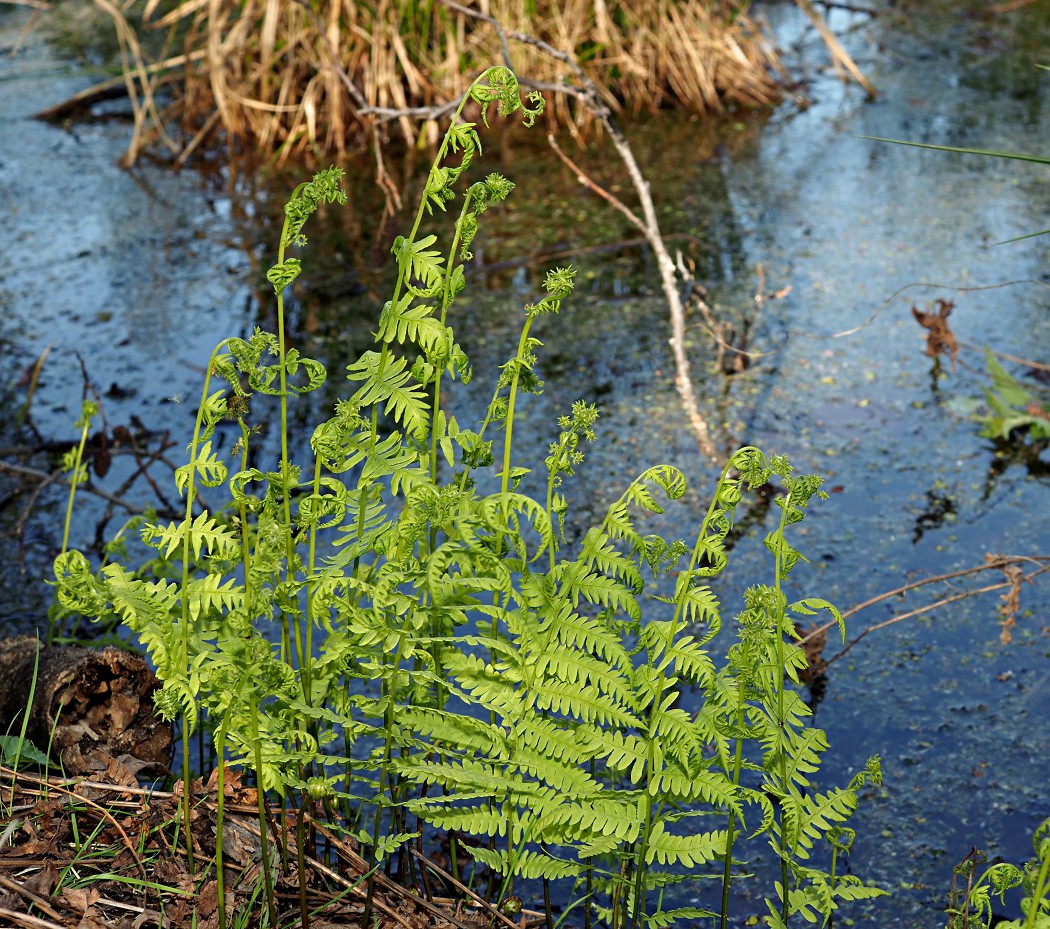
{"x": 974, "y": 909}
{"x": 369, "y": 626}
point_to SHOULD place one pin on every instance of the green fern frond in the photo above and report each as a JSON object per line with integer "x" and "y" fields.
{"x": 691, "y": 661}
{"x": 416, "y": 324}
{"x": 529, "y": 864}
{"x": 699, "y": 603}
{"x": 806, "y": 747}
{"x": 490, "y": 687}
{"x": 623, "y": 752}
{"x": 210, "y": 595}
{"x": 598, "y": 551}
{"x": 688, "y": 657}
{"x": 667, "y": 478}
{"x": 585, "y": 703}
{"x": 687, "y": 850}
{"x": 417, "y": 260}
{"x": 468, "y": 779}
{"x": 556, "y": 741}
{"x": 677, "y": 732}
{"x": 482, "y": 573}
{"x": 204, "y": 533}
{"x": 456, "y": 732}
{"x": 474, "y": 820}
{"x": 807, "y": 818}
{"x": 501, "y": 511}
{"x": 579, "y": 669}
{"x": 664, "y": 918}
{"x": 207, "y": 468}
{"x": 711, "y": 787}
{"x": 810, "y": 606}
{"x": 392, "y": 458}
{"x": 394, "y": 386}
{"x": 597, "y": 589}
{"x": 600, "y": 819}
{"x": 568, "y": 779}
{"x": 138, "y": 602}
{"x": 575, "y": 631}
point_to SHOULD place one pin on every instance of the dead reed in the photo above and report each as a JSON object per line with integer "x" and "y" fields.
{"x": 318, "y": 76}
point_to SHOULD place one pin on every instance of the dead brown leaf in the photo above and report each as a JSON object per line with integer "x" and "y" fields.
{"x": 42, "y": 882}
{"x": 1011, "y": 602}
{"x": 940, "y": 340}
{"x": 92, "y": 919}
{"x": 79, "y": 900}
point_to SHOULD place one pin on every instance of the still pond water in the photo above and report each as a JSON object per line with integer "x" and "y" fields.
{"x": 137, "y": 274}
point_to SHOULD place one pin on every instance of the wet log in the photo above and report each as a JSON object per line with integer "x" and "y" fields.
{"x": 97, "y": 702}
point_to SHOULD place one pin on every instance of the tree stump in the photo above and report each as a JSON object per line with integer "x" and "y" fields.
{"x": 98, "y": 703}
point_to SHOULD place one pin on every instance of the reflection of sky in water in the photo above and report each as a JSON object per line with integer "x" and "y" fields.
{"x": 104, "y": 262}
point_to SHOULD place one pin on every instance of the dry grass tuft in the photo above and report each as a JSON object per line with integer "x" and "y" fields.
{"x": 295, "y": 76}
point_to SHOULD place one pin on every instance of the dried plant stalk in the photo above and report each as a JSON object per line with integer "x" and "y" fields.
{"x": 291, "y": 75}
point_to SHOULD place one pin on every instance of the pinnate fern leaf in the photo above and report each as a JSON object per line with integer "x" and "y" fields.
{"x": 139, "y": 603}
{"x": 417, "y": 260}
{"x": 210, "y": 595}
{"x": 416, "y": 324}
{"x": 807, "y": 818}
{"x": 393, "y": 385}
{"x": 204, "y": 533}
{"x": 686, "y": 850}
{"x": 206, "y": 467}
{"x": 528, "y": 864}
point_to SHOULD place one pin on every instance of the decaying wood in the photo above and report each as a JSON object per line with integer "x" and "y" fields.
{"x": 89, "y": 705}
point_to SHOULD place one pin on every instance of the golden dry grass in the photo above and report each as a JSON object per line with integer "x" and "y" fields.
{"x": 316, "y": 76}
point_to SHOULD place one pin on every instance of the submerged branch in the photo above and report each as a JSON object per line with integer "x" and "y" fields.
{"x": 588, "y": 95}
{"x": 993, "y": 563}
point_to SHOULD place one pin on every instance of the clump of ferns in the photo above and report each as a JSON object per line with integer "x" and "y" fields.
{"x": 441, "y": 657}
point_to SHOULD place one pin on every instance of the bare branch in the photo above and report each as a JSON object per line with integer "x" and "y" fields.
{"x": 588, "y": 95}
{"x": 993, "y": 563}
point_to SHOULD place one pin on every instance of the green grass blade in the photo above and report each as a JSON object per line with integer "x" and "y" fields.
{"x": 1016, "y": 156}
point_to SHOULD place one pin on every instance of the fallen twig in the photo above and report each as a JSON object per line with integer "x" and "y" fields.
{"x": 993, "y": 563}
{"x": 588, "y": 95}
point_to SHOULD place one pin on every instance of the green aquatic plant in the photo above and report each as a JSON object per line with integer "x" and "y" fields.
{"x": 397, "y": 629}
{"x": 1014, "y": 410}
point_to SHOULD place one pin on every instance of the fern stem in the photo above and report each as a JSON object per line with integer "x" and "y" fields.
{"x": 88, "y": 411}
{"x": 715, "y": 508}
{"x": 300, "y": 850}
{"x": 264, "y": 833}
{"x": 184, "y": 655}
{"x": 778, "y": 632}
{"x": 512, "y": 397}
{"x": 556, "y": 460}
{"x": 290, "y": 628}
{"x": 384, "y": 353}
{"x": 445, "y": 300}
{"x": 738, "y": 761}
{"x": 220, "y": 878}
{"x": 1039, "y": 892}
{"x": 311, "y": 586}
{"x": 242, "y": 513}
